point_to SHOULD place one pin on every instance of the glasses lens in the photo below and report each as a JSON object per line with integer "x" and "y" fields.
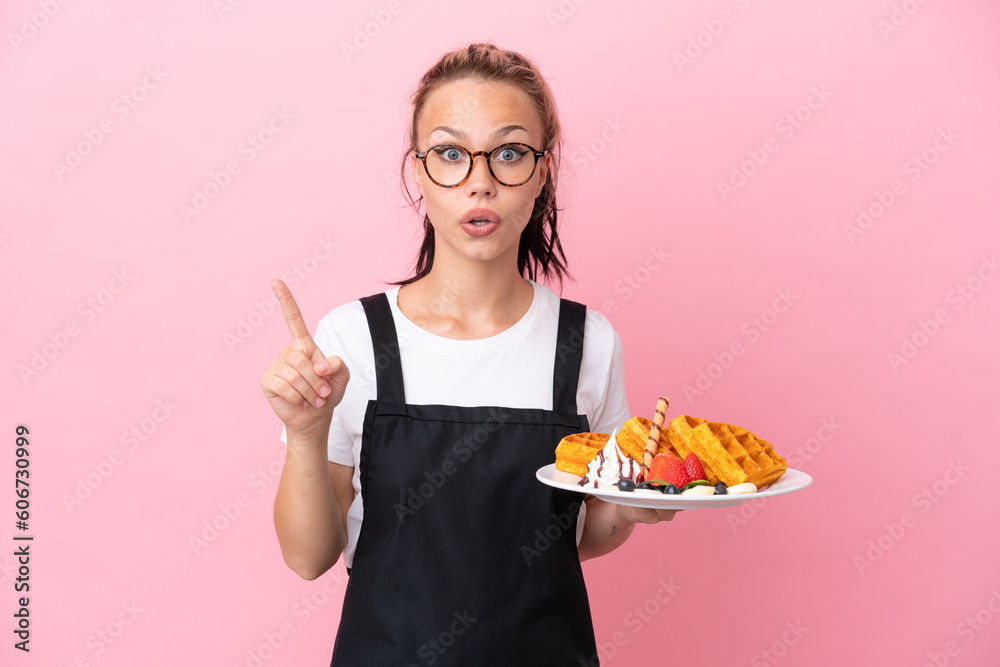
{"x": 512, "y": 164}
{"x": 447, "y": 164}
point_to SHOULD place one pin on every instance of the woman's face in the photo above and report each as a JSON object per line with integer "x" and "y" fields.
{"x": 477, "y": 116}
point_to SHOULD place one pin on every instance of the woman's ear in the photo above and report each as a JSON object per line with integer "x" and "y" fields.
{"x": 543, "y": 174}
{"x": 418, "y": 174}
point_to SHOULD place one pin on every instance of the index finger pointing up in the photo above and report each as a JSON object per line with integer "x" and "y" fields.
{"x": 292, "y": 315}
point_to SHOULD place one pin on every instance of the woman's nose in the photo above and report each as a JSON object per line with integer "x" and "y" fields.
{"x": 481, "y": 180}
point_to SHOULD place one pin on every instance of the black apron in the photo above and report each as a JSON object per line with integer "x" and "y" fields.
{"x": 464, "y": 557}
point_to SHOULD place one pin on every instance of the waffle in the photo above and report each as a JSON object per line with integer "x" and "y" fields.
{"x": 575, "y": 451}
{"x": 632, "y": 437}
{"x": 728, "y": 453}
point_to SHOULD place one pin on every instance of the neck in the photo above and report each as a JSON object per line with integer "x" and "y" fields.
{"x": 475, "y": 289}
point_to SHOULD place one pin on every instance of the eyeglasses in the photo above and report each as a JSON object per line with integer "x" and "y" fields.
{"x": 449, "y": 165}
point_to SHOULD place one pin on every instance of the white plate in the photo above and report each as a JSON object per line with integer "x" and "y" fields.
{"x": 791, "y": 481}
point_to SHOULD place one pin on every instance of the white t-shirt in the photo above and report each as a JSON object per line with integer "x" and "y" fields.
{"x": 511, "y": 369}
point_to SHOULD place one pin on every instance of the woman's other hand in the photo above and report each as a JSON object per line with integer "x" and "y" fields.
{"x": 645, "y": 514}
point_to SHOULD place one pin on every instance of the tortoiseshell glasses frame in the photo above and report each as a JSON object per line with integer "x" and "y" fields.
{"x": 489, "y": 164}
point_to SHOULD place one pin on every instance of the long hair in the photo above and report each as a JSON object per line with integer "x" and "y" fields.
{"x": 540, "y": 252}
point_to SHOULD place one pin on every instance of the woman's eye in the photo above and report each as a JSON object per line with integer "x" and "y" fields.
{"x": 449, "y": 153}
{"x": 509, "y": 154}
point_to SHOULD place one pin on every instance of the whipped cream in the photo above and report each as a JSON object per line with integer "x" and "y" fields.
{"x": 609, "y": 466}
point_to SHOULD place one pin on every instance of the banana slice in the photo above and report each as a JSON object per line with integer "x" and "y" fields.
{"x": 746, "y": 487}
{"x": 699, "y": 491}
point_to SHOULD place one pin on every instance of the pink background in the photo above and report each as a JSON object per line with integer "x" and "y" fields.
{"x": 887, "y": 559}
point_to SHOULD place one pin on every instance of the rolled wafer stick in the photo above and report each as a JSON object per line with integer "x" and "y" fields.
{"x": 654, "y": 434}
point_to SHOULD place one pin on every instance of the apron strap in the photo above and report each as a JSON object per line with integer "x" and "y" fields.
{"x": 388, "y": 369}
{"x": 569, "y": 355}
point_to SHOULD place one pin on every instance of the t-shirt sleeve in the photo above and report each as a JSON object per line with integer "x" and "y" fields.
{"x": 340, "y": 445}
{"x": 612, "y": 411}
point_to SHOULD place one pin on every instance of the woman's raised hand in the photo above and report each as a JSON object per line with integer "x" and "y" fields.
{"x": 302, "y": 385}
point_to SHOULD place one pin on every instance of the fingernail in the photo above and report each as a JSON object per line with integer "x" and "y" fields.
{"x": 323, "y": 391}
{"x": 323, "y": 367}
{"x": 319, "y": 402}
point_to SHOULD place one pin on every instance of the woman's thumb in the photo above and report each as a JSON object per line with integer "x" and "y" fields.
{"x": 334, "y": 369}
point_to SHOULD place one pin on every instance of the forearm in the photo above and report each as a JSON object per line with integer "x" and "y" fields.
{"x": 307, "y": 519}
{"x": 604, "y": 529}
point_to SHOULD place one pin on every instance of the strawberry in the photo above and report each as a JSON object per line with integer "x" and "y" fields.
{"x": 692, "y": 465}
{"x": 675, "y": 472}
{"x": 656, "y": 470}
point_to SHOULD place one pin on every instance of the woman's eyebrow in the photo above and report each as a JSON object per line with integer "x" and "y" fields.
{"x": 506, "y": 129}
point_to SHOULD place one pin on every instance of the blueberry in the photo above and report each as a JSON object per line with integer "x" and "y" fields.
{"x": 644, "y": 485}
{"x": 626, "y": 485}
{"x": 671, "y": 489}
{"x": 720, "y": 489}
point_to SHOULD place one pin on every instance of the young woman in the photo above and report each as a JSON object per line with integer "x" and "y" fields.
{"x": 420, "y": 468}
